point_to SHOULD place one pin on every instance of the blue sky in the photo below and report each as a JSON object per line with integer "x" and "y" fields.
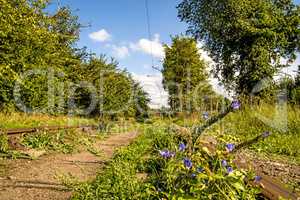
{"x": 118, "y": 28}
{"x": 126, "y": 23}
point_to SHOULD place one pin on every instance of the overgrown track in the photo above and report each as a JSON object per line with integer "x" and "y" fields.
{"x": 18, "y": 131}
{"x": 271, "y": 188}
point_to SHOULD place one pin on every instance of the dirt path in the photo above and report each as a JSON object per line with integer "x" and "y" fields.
{"x": 38, "y": 179}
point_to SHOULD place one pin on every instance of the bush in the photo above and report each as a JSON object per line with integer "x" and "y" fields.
{"x": 3, "y": 143}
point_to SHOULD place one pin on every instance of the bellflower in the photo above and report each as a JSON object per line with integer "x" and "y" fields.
{"x": 235, "y": 105}
{"x": 182, "y": 147}
{"x": 229, "y": 170}
{"x": 230, "y": 147}
{"x": 166, "y": 154}
{"x": 187, "y": 163}
{"x": 224, "y": 163}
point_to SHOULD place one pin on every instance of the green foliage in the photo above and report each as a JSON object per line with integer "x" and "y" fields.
{"x": 242, "y": 126}
{"x": 3, "y": 143}
{"x": 184, "y": 75}
{"x": 246, "y": 38}
{"x": 22, "y": 120}
{"x": 115, "y": 92}
{"x": 50, "y": 47}
{"x": 63, "y": 141}
{"x": 166, "y": 178}
{"x": 119, "y": 180}
{"x": 141, "y": 103}
{"x": 172, "y": 180}
{"x": 41, "y": 70}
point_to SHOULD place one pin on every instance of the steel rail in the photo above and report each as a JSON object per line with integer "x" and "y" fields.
{"x": 18, "y": 131}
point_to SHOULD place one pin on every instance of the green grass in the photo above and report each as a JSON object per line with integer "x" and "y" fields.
{"x": 140, "y": 172}
{"x": 246, "y": 124}
{"x": 23, "y": 120}
{"x": 61, "y": 141}
{"x": 119, "y": 179}
{"x": 64, "y": 141}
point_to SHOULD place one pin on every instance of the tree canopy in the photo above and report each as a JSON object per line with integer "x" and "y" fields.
{"x": 185, "y": 74}
{"x": 246, "y": 38}
{"x": 42, "y": 69}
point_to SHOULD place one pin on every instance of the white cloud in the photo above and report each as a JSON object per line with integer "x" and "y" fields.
{"x": 120, "y": 51}
{"x": 152, "y": 84}
{"x": 152, "y": 47}
{"x": 100, "y": 36}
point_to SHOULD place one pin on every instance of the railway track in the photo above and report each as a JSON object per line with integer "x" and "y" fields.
{"x": 271, "y": 188}
{"x": 19, "y": 131}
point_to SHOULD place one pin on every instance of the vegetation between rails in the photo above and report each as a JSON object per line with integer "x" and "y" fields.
{"x": 159, "y": 165}
{"x": 63, "y": 141}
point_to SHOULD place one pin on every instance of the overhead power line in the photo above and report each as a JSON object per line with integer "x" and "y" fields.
{"x": 149, "y": 34}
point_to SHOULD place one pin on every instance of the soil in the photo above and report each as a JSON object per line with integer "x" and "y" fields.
{"x": 43, "y": 178}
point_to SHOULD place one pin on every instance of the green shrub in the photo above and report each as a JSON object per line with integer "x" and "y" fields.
{"x": 3, "y": 143}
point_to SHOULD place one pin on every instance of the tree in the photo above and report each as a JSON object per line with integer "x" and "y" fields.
{"x": 246, "y": 38}
{"x": 117, "y": 94}
{"x": 297, "y": 79}
{"x": 184, "y": 74}
{"x": 32, "y": 40}
{"x": 141, "y": 104}
{"x": 295, "y": 92}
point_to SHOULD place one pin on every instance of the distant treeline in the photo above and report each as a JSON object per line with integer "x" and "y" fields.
{"x": 42, "y": 70}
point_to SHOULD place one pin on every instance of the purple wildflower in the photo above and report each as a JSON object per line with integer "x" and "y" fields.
{"x": 182, "y": 147}
{"x": 193, "y": 175}
{"x": 230, "y": 147}
{"x": 166, "y": 154}
{"x": 187, "y": 163}
{"x": 257, "y": 179}
{"x": 229, "y": 170}
{"x": 235, "y": 104}
{"x": 205, "y": 115}
{"x": 224, "y": 163}
{"x": 266, "y": 134}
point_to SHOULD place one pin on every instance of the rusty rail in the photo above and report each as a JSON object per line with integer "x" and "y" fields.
{"x": 274, "y": 190}
{"x": 19, "y": 131}
{"x": 271, "y": 188}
